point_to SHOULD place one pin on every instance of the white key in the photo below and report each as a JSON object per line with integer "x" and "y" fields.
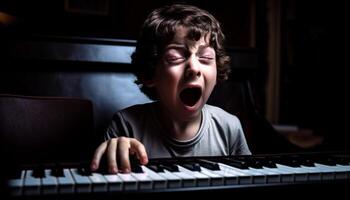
{"x": 186, "y": 179}
{"x": 31, "y": 184}
{"x": 216, "y": 179}
{"x": 229, "y": 176}
{"x": 285, "y": 176}
{"x": 82, "y": 183}
{"x": 144, "y": 181}
{"x": 159, "y": 182}
{"x": 300, "y": 174}
{"x": 201, "y": 179}
{"x": 250, "y": 176}
{"x": 243, "y": 177}
{"x": 115, "y": 183}
{"x": 99, "y": 183}
{"x": 258, "y": 177}
{"x": 66, "y": 183}
{"x": 172, "y": 180}
{"x": 339, "y": 173}
{"x": 271, "y": 176}
{"x": 49, "y": 183}
{"x": 129, "y": 182}
{"x": 327, "y": 172}
{"x": 16, "y": 185}
{"x": 346, "y": 168}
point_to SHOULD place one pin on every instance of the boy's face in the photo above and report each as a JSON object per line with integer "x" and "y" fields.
{"x": 185, "y": 76}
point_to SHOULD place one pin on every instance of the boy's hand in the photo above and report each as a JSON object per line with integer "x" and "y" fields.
{"x": 119, "y": 149}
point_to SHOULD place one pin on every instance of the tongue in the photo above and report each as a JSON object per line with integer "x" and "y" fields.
{"x": 190, "y": 96}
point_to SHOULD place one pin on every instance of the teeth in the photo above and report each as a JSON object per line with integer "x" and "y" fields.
{"x": 190, "y": 96}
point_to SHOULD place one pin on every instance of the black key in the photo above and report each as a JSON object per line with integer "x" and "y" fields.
{"x": 135, "y": 165}
{"x": 136, "y": 168}
{"x": 156, "y": 168}
{"x": 192, "y": 166}
{"x": 39, "y": 172}
{"x": 291, "y": 162}
{"x": 170, "y": 167}
{"x": 57, "y": 171}
{"x": 268, "y": 163}
{"x": 342, "y": 159}
{"x": 307, "y": 162}
{"x": 84, "y": 170}
{"x": 208, "y": 164}
{"x": 236, "y": 163}
{"x": 327, "y": 161}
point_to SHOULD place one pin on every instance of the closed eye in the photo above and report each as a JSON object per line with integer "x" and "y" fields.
{"x": 175, "y": 60}
{"x": 206, "y": 59}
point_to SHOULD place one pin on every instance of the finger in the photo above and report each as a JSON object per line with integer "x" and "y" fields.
{"x": 140, "y": 151}
{"x": 123, "y": 154}
{"x": 111, "y": 155}
{"x": 94, "y": 165}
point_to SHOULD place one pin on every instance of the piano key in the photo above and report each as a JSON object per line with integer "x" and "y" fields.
{"x": 57, "y": 171}
{"x": 285, "y": 176}
{"x": 49, "y": 183}
{"x": 66, "y": 182}
{"x": 172, "y": 180}
{"x": 98, "y": 182}
{"x": 31, "y": 184}
{"x": 129, "y": 182}
{"x": 159, "y": 182}
{"x": 271, "y": 176}
{"x": 39, "y": 171}
{"x": 251, "y": 175}
{"x": 230, "y": 177}
{"x": 332, "y": 172}
{"x": 115, "y": 183}
{"x": 208, "y": 164}
{"x": 216, "y": 179}
{"x": 169, "y": 167}
{"x": 236, "y": 163}
{"x": 345, "y": 167}
{"x": 16, "y": 184}
{"x": 200, "y": 178}
{"x": 82, "y": 182}
{"x": 192, "y": 166}
{"x": 243, "y": 177}
{"x": 300, "y": 174}
{"x": 187, "y": 180}
{"x": 144, "y": 181}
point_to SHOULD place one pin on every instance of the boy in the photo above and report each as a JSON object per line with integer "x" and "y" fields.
{"x": 179, "y": 58}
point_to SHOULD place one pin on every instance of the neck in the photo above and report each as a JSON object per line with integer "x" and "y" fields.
{"x": 180, "y": 129}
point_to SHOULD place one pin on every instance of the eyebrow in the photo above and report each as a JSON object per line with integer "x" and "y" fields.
{"x": 182, "y": 46}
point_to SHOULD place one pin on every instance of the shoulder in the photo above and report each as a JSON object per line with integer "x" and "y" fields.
{"x": 221, "y": 119}
{"x": 134, "y": 112}
{"x": 137, "y": 108}
{"x": 215, "y": 112}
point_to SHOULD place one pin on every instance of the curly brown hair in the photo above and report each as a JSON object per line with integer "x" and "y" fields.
{"x": 159, "y": 29}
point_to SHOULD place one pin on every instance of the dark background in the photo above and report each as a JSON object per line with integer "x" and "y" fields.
{"x": 313, "y": 37}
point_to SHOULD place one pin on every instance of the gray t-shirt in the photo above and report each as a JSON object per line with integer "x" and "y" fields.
{"x": 220, "y": 133}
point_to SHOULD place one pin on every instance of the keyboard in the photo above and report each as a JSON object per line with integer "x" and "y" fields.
{"x": 183, "y": 175}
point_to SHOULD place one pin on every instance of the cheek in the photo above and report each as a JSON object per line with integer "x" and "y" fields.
{"x": 210, "y": 74}
{"x": 167, "y": 79}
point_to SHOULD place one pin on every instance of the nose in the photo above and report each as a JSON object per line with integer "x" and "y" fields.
{"x": 193, "y": 68}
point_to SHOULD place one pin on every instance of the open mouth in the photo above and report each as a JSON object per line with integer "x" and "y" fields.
{"x": 190, "y": 96}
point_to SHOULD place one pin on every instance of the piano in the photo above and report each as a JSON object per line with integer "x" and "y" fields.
{"x": 177, "y": 176}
